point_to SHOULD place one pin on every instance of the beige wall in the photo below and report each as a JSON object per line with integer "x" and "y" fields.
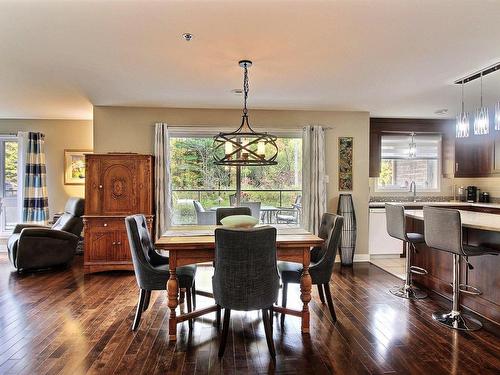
{"x": 131, "y": 129}
{"x": 59, "y": 135}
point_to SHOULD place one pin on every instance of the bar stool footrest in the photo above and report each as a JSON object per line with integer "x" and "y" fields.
{"x": 469, "y": 289}
{"x": 418, "y": 270}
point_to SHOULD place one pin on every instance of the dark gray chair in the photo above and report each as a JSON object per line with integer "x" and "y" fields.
{"x": 396, "y": 228}
{"x": 246, "y": 275}
{"x": 254, "y": 208}
{"x": 223, "y": 212}
{"x": 36, "y": 247}
{"x": 322, "y": 261}
{"x": 443, "y": 231}
{"x": 151, "y": 268}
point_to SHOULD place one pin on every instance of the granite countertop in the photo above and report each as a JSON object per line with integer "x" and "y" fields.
{"x": 470, "y": 219}
{"x": 440, "y": 203}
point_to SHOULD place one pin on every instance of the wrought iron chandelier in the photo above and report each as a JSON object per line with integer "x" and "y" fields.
{"x": 244, "y": 146}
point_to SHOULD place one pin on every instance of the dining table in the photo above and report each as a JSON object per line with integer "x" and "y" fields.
{"x": 196, "y": 244}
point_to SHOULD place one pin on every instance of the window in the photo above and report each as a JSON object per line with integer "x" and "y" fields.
{"x": 398, "y": 169}
{"x": 195, "y": 177}
{"x": 8, "y": 183}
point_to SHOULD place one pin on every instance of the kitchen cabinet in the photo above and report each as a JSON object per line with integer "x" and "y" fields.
{"x": 474, "y": 156}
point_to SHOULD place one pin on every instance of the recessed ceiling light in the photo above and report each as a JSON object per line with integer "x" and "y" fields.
{"x": 187, "y": 37}
{"x": 237, "y": 91}
{"x": 442, "y": 111}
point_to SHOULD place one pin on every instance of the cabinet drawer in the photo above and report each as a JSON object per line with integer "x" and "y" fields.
{"x": 106, "y": 223}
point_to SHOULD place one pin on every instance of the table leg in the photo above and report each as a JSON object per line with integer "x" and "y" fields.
{"x": 173, "y": 300}
{"x": 305, "y": 290}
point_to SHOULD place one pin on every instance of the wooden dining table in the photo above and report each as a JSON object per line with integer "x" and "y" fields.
{"x": 196, "y": 244}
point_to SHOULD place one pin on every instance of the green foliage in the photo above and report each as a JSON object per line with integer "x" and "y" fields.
{"x": 11, "y": 167}
{"x": 192, "y": 167}
{"x": 386, "y": 172}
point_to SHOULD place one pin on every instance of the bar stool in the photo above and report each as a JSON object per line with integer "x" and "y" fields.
{"x": 396, "y": 228}
{"x": 443, "y": 231}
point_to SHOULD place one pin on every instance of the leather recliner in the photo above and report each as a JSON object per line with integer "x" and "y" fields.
{"x": 34, "y": 246}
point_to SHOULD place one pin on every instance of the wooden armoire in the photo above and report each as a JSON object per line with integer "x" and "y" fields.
{"x": 116, "y": 185}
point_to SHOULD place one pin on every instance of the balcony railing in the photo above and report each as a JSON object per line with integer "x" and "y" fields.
{"x": 183, "y": 200}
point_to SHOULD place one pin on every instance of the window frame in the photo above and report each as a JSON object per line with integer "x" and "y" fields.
{"x": 439, "y": 159}
{"x": 3, "y": 224}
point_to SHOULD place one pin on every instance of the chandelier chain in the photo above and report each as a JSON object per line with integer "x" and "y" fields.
{"x": 245, "y": 90}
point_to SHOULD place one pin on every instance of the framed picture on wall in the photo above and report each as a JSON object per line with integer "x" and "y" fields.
{"x": 74, "y": 166}
{"x": 345, "y": 163}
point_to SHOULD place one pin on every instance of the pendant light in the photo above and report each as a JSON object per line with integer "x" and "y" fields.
{"x": 244, "y": 146}
{"x": 497, "y": 116}
{"x": 482, "y": 119}
{"x": 412, "y": 149}
{"x": 463, "y": 125}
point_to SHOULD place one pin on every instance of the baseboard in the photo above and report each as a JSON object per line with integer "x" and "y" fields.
{"x": 357, "y": 258}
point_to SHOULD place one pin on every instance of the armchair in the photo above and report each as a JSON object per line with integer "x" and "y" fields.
{"x": 35, "y": 246}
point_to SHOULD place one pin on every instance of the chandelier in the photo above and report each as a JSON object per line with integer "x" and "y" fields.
{"x": 463, "y": 125}
{"x": 244, "y": 146}
{"x": 412, "y": 147}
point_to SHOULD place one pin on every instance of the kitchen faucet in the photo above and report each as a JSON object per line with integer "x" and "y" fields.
{"x": 413, "y": 187}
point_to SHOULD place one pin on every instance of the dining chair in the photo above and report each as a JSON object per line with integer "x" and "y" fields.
{"x": 203, "y": 217}
{"x": 223, "y": 212}
{"x": 151, "y": 268}
{"x": 322, "y": 261}
{"x": 246, "y": 276}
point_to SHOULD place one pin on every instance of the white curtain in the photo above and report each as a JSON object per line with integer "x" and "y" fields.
{"x": 22, "y": 149}
{"x": 163, "y": 189}
{"x": 313, "y": 177}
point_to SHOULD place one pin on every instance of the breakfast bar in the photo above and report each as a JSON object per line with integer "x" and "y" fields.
{"x": 480, "y": 227}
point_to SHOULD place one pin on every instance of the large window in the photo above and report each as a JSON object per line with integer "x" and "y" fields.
{"x": 8, "y": 184}
{"x": 196, "y": 178}
{"x": 398, "y": 169}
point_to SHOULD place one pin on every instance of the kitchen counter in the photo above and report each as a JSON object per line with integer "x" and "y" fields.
{"x": 479, "y": 229}
{"x": 470, "y": 219}
{"x": 439, "y": 203}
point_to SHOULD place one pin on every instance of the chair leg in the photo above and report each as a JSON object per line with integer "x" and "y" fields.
{"x": 329, "y": 300}
{"x": 140, "y": 307}
{"x": 225, "y": 331}
{"x": 271, "y": 316}
{"x": 283, "y": 301}
{"x": 146, "y": 300}
{"x": 217, "y": 317}
{"x": 189, "y": 306}
{"x": 269, "y": 332}
{"x": 320, "y": 292}
{"x": 193, "y": 293}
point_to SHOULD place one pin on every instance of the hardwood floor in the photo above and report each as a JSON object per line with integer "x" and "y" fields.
{"x": 62, "y": 322}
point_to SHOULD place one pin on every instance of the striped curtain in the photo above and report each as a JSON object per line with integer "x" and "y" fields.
{"x": 36, "y": 202}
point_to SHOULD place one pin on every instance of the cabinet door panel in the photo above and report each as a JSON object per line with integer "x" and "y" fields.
{"x": 121, "y": 250}
{"x": 92, "y": 186}
{"x": 99, "y": 245}
{"x": 473, "y": 156}
{"x": 119, "y": 186}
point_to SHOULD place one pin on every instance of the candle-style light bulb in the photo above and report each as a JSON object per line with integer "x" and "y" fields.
{"x": 244, "y": 152}
{"x": 261, "y": 148}
{"x": 228, "y": 147}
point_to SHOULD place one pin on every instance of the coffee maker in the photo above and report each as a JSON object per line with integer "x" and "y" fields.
{"x": 471, "y": 193}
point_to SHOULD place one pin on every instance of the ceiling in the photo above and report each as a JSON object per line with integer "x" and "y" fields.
{"x": 389, "y": 57}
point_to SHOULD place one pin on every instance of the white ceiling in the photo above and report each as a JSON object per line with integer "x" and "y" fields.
{"x": 389, "y": 57}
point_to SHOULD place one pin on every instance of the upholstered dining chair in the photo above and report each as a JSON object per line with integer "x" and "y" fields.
{"x": 254, "y": 208}
{"x": 223, "y": 212}
{"x": 203, "y": 217}
{"x": 246, "y": 275}
{"x": 151, "y": 268}
{"x": 322, "y": 261}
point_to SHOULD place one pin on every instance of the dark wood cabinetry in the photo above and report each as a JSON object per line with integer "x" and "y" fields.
{"x": 116, "y": 185}
{"x": 474, "y": 156}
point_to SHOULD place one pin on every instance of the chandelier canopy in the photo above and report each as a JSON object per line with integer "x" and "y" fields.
{"x": 244, "y": 146}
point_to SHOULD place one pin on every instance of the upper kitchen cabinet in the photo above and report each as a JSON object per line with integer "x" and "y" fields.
{"x": 474, "y": 156}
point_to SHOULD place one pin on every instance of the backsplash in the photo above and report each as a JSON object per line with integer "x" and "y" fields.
{"x": 400, "y": 198}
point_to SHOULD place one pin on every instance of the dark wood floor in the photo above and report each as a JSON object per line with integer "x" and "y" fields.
{"x": 63, "y": 322}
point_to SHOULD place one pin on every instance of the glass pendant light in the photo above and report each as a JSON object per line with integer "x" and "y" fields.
{"x": 412, "y": 150}
{"x": 497, "y": 116}
{"x": 463, "y": 125}
{"x": 482, "y": 118}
